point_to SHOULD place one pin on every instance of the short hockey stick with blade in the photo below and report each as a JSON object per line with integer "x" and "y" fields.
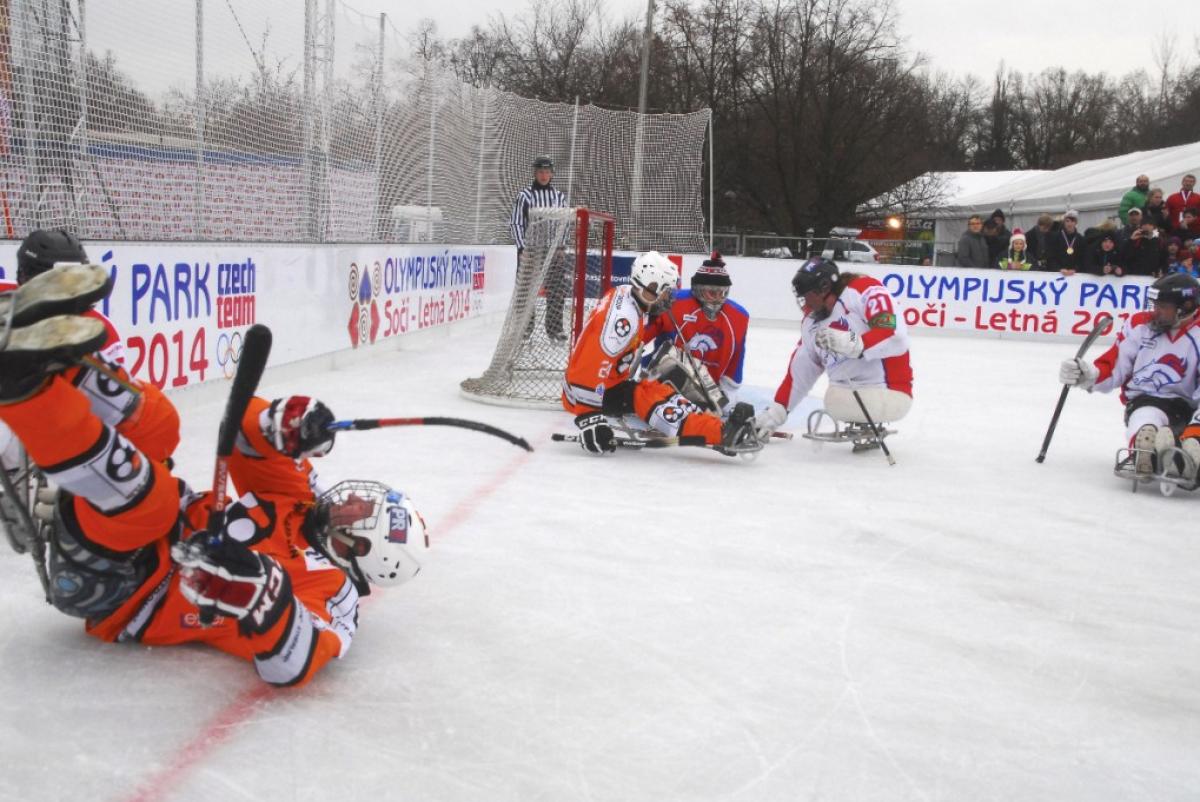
{"x": 1102, "y": 321}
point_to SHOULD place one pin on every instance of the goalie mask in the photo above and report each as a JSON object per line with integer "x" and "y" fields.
{"x": 710, "y": 285}
{"x": 372, "y": 531}
{"x": 1172, "y": 300}
{"x": 653, "y": 275}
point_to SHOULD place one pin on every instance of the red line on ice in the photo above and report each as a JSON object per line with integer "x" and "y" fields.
{"x": 227, "y": 721}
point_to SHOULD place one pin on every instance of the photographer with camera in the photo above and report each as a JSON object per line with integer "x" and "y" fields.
{"x": 1142, "y": 251}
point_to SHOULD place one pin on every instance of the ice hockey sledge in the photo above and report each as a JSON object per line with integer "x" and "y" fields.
{"x": 824, "y": 428}
{"x": 1168, "y": 481}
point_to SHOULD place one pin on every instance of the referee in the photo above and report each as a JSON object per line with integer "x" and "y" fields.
{"x": 540, "y": 195}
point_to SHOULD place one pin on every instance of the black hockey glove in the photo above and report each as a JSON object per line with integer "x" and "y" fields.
{"x": 595, "y": 435}
{"x": 221, "y": 575}
{"x": 299, "y": 427}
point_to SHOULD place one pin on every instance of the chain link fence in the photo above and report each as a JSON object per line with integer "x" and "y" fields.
{"x": 301, "y": 121}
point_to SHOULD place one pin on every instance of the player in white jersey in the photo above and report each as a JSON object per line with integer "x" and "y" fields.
{"x": 851, "y": 332}
{"x": 1156, "y": 364}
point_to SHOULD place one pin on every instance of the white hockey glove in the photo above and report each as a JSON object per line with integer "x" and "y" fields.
{"x": 1077, "y": 373}
{"x": 595, "y": 435}
{"x": 769, "y": 420}
{"x": 298, "y": 426}
{"x": 837, "y": 341}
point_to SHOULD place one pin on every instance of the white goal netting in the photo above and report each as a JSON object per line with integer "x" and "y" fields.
{"x": 300, "y": 121}
{"x": 564, "y": 270}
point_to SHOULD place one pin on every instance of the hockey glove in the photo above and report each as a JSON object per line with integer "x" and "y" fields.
{"x": 769, "y": 420}
{"x": 595, "y": 435}
{"x": 837, "y": 341}
{"x": 1077, "y": 373}
{"x": 299, "y": 427}
{"x": 219, "y": 574}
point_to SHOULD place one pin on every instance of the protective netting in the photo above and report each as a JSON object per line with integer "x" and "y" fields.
{"x": 300, "y": 121}
{"x": 564, "y": 270}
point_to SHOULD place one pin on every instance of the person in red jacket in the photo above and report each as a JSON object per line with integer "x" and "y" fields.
{"x": 1185, "y": 198}
{"x": 599, "y": 380}
{"x": 711, "y": 326}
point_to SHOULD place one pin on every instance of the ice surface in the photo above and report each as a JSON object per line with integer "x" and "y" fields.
{"x": 679, "y": 625}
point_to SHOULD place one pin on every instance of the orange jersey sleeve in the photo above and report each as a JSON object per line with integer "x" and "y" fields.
{"x": 256, "y": 466}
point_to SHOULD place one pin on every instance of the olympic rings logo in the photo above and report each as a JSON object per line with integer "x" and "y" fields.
{"x": 229, "y": 352}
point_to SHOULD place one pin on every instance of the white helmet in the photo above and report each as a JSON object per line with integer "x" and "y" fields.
{"x": 652, "y": 269}
{"x": 374, "y": 532}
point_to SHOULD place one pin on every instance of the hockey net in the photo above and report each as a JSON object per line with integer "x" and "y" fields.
{"x": 563, "y": 272}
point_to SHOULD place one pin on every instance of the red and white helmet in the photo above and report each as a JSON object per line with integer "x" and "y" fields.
{"x": 374, "y": 532}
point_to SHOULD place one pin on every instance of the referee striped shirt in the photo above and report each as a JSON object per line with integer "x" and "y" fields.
{"x": 534, "y": 196}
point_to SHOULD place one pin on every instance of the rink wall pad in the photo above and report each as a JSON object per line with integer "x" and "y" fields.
{"x": 183, "y": 308}
{"x": 988, "y": 303}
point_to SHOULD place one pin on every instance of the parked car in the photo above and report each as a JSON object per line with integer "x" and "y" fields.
{"x": 843, "y": 250}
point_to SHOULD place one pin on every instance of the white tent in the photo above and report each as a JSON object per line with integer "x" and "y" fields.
{"x": 1093, "y": 188}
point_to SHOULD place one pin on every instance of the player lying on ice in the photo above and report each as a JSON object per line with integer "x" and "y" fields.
{"x": 278, "y": 584}
{"x": 599, "y": 382}
{"x": 1155, "y": 361}
{"x": 850, "y": 331}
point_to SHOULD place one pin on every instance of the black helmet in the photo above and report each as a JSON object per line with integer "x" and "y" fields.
{"x": 543, "y": 163}
{"x": 817, "y": 273}
{"x": 45, "y": 248}
{"x": 1178, "y": 289}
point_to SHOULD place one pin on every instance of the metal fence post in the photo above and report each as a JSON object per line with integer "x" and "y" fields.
{"x": 432, "y": 142}
{"x": 381, "y": 229}
{"x": 487, "y": 96}
{"x": 571, "y": 157}
{"x": 198, "y": 216}
{"x": 78, "y": 207}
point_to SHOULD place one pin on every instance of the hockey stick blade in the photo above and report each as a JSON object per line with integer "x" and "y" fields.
{"x": 1102, "y": 321}
{"x": 364, "y": 424}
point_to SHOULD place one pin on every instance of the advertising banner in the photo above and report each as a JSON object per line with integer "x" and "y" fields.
{"x": 983, "y": 302}
{"x": 182, "y": 308}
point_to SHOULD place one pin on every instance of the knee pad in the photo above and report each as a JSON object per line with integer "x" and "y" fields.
{"x": 668, "y": 415}
{"x": 110, "y": 399}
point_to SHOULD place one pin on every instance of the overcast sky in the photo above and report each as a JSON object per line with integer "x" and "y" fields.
{"x": 153, "y": 37}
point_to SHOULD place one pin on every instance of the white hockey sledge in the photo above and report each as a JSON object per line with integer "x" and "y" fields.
{"x": 824, "y": 428}
{"x": 1179, "y": 464}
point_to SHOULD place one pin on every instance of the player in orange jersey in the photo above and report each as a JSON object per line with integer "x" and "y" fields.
{"x": 599, "y": 380}
{"x": 119, "y": 400}
{"x": 278, "y": 583}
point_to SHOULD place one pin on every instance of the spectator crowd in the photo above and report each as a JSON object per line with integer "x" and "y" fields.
{"x": 1151, "y": 235}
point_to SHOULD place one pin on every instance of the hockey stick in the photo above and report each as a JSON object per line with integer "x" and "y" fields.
{"x": 363, "y": 424}
{"x": 716, "y": 408}
{"x": 874, "y": 429}
{"x": 255, "y": 350}
{"x": 638, "y": 444}
{"x": 1102, "y": 320}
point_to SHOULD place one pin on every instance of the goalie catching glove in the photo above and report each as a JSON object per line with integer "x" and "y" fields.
{"x": 840, "y": 342}
{"x": 595, "y": 435}
{"x": 219, "y": 574}
{"x": 1078, "y": 373}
